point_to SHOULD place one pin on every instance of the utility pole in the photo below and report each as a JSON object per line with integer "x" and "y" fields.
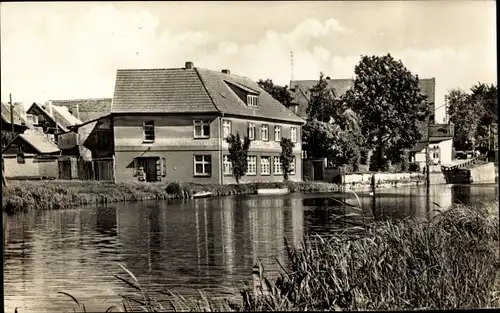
{"x": 427, "y": 150}
{"x": 11, "y": 114}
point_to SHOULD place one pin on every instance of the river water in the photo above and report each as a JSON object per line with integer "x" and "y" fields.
{"x": 208, "y": 244}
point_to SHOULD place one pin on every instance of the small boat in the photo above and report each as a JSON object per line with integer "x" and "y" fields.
{"x": 273, "y": 191}
{"x": 202, "y": 194}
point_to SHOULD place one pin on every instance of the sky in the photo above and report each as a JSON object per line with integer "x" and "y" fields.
{"x": 72, "y": 50}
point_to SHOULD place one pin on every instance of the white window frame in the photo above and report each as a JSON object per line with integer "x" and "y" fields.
{"x": 144, "y": 127}
{"x": 293, "y": 134}
{"x": 252, "y": 100}
{"x": 201, "y": 124}
{"x": 277, "y": 133}
{"x": 265, "y": 163}
{"x": 277, "y": 166}
{"x": 292, "y": 166}
{"x": 251, "y": 166}
{"x": 251, "y": 131}
{"x": 206, "y": 159}
{"x": 227, "y": 165}
{"x": 264, "y": 129}
{"x": 226, "y": 128}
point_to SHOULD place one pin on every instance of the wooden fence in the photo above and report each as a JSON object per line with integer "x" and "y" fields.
{"x": 78, "y": 169}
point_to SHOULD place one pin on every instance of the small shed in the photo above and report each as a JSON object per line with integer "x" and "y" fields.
{"x": 31, "y": 156}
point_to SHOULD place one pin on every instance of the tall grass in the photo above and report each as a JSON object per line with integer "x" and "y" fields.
{"x": 25, "y": 196}
{"x": 450, "y": 262}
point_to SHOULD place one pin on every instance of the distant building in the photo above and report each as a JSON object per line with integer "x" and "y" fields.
{"x": 85, "y": 109}
{"x": 19, "y": 119}
{"x": 170, "y": 124}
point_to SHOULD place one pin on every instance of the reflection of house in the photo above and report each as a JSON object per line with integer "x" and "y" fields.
{"x": 170, "y": 124}
{"x": 30, "y": 155}
{"x": 441, "y": 134}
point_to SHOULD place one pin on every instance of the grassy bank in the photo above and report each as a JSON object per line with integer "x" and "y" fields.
{"x": 450, "y": 262}
{"x": 24, "y": 196}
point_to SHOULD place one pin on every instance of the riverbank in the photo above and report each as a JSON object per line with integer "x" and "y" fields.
{"x": 25, "y": 196}
{"x": 450, "y": 262}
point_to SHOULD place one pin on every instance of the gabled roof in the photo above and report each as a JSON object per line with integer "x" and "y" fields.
{"x": 64, "y": 117}
{"x": 160, "y": 91}
{"x": 88, "y": 109}
{"x": 38, "y": 107}
{"x": 18, "y": 116}
{"x": 38, "y": 141}
{"x": 193, "y": 90}
{"x": 228, "y": 102}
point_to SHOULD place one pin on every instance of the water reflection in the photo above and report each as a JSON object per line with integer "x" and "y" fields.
{"x": 182, "y": 245}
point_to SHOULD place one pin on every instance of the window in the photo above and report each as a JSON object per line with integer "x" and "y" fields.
{"x": 201, "y": 129}
{"x": 251, "y": 131}
{"x": 265, "y": 165}
{"x": 264, "y": 132}
{"x": 252, "y": 165}
{"x": 149, "y": 131}
{"x": 277, "y": 133}
{"x": 293, "y": 134}
{"x": 20, "y": 158}
{"x": 252, "y": 100}
{"x": 202, "y": 165}
{"x": 277, "y": 167}
{"x": 227, "y": 165}
{"x": 292, "y": 166}
{"x": 226, "y": 129}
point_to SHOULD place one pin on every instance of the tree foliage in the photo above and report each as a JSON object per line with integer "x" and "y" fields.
{"x": 286, "y": 156}
{"x": 282, "y": 94}
{"x": 386, "y": 97}
{"x": 7, "y": 137}
{"x": 332, "y": 129}
{"x": 474, "y": 115}
{"x": 238, "y": 153}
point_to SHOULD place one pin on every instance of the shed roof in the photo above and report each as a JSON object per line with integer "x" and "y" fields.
{"x": 38, "y": 141}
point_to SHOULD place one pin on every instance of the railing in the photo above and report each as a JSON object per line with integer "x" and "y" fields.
{"x": 467, "y": 164}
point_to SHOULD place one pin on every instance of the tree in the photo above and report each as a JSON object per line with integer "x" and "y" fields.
{"x": 282, "y": 94}
{"x": 465, "y": 111}
{"x": 238, "y": 153}
{"x": 7, "y": 137}
{"x": 387, "y": 99}
{"x": 332, "y": 129}
{"x": 286, "y": 156}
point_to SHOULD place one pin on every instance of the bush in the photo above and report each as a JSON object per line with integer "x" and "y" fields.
{"x": 414, "y": 167}
{"x": 174, "y": 188}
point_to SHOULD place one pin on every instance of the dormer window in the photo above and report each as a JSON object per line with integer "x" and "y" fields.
{"x": 252, "y": 101}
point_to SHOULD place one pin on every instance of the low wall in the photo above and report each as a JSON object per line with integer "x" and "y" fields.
{"x": 382, "y": 179}
{"x": 483, "y": 173}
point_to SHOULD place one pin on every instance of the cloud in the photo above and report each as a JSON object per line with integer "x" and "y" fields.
{"x": 72, "y": 54}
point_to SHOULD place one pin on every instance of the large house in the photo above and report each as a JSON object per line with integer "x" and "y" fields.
{"x": 441, "y": 135}
{"x": 170, "y": 124}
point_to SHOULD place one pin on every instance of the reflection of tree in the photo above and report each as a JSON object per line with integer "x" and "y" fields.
{"x": 460, "y": 194}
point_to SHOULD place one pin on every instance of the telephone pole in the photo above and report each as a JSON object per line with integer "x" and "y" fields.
{"x": 427, "y": 151}
{"x": 11, "y": 114}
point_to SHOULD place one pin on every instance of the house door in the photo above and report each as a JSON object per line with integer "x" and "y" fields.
{"x": 318, "y": 170}
{"x": 150, "y": 169}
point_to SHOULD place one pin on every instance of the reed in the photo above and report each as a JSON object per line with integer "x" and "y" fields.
{"x": 450, "y": 262}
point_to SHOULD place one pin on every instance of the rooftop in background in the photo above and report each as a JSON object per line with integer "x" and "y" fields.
{"x": 86, "y": 109}
{"x": 19, "y": 114}
{"x": 300, "y": 90}
{"x": 193, "y": 90}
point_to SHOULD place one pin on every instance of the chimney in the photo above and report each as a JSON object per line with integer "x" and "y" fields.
{"x": 189, "y": 65}
{"x": 226, "y": 72}
{"x": 77, "y": 111}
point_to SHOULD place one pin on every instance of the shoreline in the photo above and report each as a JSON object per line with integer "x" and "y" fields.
{"x": 26, "y": 196}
